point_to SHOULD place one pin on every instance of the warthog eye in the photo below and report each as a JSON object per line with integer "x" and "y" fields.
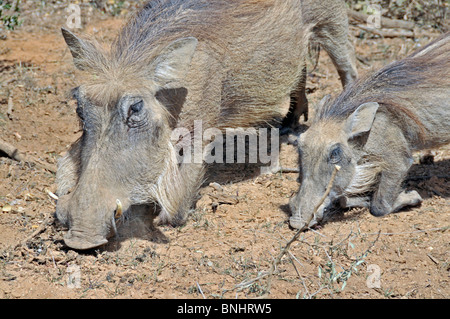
{"x": 137, "y": 107}
{"x": 135, "y": 118}
{"x": 336, "y": 154}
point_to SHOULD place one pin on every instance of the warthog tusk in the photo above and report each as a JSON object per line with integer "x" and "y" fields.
{"x": 118, "y": 209}
{"x": 52, "y": 195}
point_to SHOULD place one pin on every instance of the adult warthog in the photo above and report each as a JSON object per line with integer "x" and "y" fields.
{"x": 227, "y": 63}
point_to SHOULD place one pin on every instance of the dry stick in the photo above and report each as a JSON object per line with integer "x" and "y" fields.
{"x": 385, "y": 22}
{"x": 305, "y": 226}
{"x": 286, "y": 248}
{"x": 11, "y": 151}
{"x": 388, "y": 33}
{"x": 285, "y": 170}
{"x": 19, "y": 156}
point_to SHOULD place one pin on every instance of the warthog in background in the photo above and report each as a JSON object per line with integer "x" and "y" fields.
{"x": 227, "y": 63}
{"x": 370, "y": 131}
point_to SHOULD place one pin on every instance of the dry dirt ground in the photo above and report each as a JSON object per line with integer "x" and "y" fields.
{"x": 225, "y": 252}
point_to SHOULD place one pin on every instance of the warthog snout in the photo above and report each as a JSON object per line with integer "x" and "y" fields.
{"x": 88, "y": 228}
{"x": 306, "y": 213}
{"x": 78, "y": 239}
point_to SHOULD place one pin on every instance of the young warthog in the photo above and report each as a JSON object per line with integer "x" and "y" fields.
{"x": 226, "y": 63}
{"x": 370, "y": 131}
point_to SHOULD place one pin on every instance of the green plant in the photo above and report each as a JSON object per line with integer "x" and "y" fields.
{"x": 331, "y": 276}
{"x": 116, "y": 7}
{"x": 9, "y": 13}
{"x": 112, "y": 7}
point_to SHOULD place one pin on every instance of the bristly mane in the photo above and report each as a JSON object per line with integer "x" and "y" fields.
{"x": 160, "y": 22}
{"x": 149, "y": 30}
{"x": 156, "y": 25}
{"x": 397, "y": 85}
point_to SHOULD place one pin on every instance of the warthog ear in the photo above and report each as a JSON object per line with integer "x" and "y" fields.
{"x": 173, "y": 63}
{"x": 79, "y": 48}
{"x": 361, "y": 120}
{"x": 173, "y": 100}
{"x": 324, "y": 101}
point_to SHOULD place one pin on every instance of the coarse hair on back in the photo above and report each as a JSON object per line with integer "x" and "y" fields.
{"x": 397, "y": 86}
{"x": 154, "y": 27}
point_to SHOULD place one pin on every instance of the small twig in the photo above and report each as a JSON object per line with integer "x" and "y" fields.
{"x": 47, "y": 221}
{"x": 200, "y": 289}
{"x": 296, "y": 259}
{"x": 285, "y": 170}
{"x": 327, "y": 192}
{"x": 305, "y": 226}
{"x": 372, "y": 244}
{"x": 433, "y": 259}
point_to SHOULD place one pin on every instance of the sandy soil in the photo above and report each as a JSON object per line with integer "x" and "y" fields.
{"x": 223, "y": 252}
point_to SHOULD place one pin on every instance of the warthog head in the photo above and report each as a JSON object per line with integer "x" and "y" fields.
{"x": 325, "y": 145}
{"x": 123, "y": 157}
{"x": 371, "y": 130}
